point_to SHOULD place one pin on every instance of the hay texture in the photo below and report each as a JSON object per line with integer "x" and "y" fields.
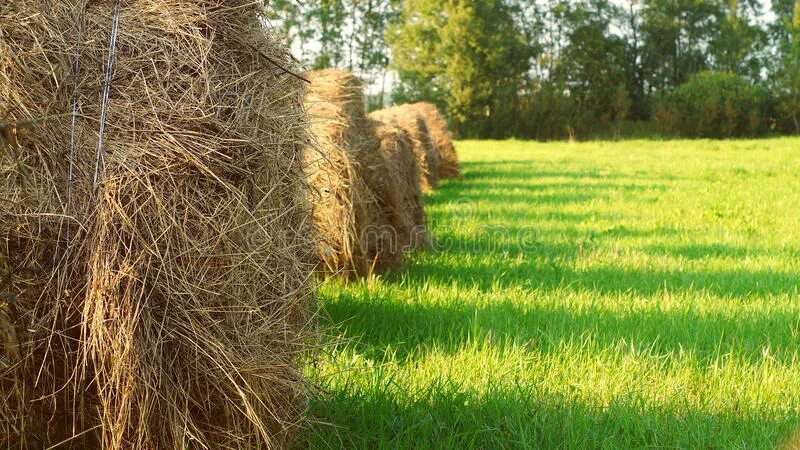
{"x": 410, "y": 119}
{"x": 343, "y": 205}
{"x": 441, "y": 137}
{"x": 366, "y": 212}
{"x": 161, "y": 278}
{"x": 397, "y": 185}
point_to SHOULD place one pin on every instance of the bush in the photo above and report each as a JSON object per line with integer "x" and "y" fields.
{"x": 715, "y": 105}
{"x": 548, "y": 113}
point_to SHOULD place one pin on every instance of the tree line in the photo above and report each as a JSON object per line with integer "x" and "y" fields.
{"x": 548, "y": 69}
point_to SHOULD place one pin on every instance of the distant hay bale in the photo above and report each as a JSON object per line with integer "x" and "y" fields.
{"x": 409, "y": 118}
{"x": 161, "y": 278}
{"x": 366, "y": 213}
{"x": 343, "y": 205}
{"x": 442, "y": 138}
{"x": 397, "y": 187}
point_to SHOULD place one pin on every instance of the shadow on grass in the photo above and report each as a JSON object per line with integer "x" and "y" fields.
{"x": 509, "y": 250}
{"x": 379, "y": 414}
{"x": 410, "y": 330}
{"x": 509, "y": 191}
{"x": 509, "y": 170}
{"x": 446, "y": 416}
{"x": 704, "y": 251}
{"x": 554, "y": 272}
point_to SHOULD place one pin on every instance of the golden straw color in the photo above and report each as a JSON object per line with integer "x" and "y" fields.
{"x": 397, "y": 185}
{"x": 441, "y": 137}
{"x": 164, "y": 305}
{"x": 410, "y": 119}
{"x": 342, "y": 203}
{"x": 366, "y": 203}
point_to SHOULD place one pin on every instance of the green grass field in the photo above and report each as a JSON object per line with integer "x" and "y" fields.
{"x": 599, "y": 295}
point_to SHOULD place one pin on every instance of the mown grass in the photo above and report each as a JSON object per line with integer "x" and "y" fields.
{"x": 599, "y": 295}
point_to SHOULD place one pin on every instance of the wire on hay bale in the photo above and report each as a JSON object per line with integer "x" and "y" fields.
{"x": 159, "y": 268}
{"x": 409, "y": 119}
{"x": 441, "y": 137}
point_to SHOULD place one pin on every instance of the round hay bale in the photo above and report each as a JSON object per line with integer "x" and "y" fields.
{"x": 398, "y": 187}
{"x": 412, "y": 122}
{"x": 157, "y": 241}
{"x": 343, "y": 205}
{"x": 442, "y": 138}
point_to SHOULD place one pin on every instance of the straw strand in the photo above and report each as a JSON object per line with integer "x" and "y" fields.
{"x": 76, "y": 65}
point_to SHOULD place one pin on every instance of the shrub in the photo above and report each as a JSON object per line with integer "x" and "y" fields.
{"x": 714, "y": 105}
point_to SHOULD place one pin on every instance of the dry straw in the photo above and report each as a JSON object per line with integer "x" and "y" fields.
{"x": 366, "y": 204}
{"x": 397, "y": 185}
{"x": 164, "y": 305}
{"x": 342, "y": 203}
{"x": 409, "y": 119}
{"x": 442, "y": 138}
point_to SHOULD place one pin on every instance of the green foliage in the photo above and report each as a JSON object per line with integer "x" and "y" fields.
{"x": 738, "y": 43}
{"x": 623, "y": 295}
{"x": 592, "y": 63}
{"x": 418, "y": 53}
{"x": 555, "y": 68}
{"x": 466, "y": 55}
{"x": 588, "y": 88}
{"x": 547, "y": 113}
{"x": 347, "y": 34}
{"x": 788, "y": 90}
{"x": 676, "y": 38}
{"x": 715, "y": 105}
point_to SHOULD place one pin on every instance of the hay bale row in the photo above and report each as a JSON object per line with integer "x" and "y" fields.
{"x": 366, "y": 201}
{"x": 409, "y": 119}
{"x": 342, "y": 203}
{"x": 155, "y": 277}
{"x": 368, "y": 173}
{"x": 397, "y": 184}
{"x": 442, "y": 139}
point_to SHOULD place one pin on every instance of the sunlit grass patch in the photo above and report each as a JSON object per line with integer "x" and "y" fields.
{"x": 598, "y": 295}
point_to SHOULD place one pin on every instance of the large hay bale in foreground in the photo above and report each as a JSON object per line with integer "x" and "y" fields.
{"x": 441, "y": 137}
{"x": 409, "y": 118}
{"x": 343, "y": 205}
{"x": 161, "y": 273}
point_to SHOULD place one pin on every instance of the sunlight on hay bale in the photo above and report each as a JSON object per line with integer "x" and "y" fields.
{"x": 442, "y": 138}
{"x": 164, "y": 288}
{"x": 412, "y": 122}
{"x": 343, "y": 205}
{"x": 398, "y": 188}
{"x": 366, "y": 214}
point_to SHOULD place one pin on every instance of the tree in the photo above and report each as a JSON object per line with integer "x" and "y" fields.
{"x": 469, "y": 56}
{"x": 789, "y": 72}
{"x": 738, "y": 44}
{"x": 677, "y": 35}
{"x": 631, "y": 26}
{"x": 592, "y": 64}
{"x": 715, "y": 105}
{"x": 346, "y": 34}
{"x": 543, "y": 68}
